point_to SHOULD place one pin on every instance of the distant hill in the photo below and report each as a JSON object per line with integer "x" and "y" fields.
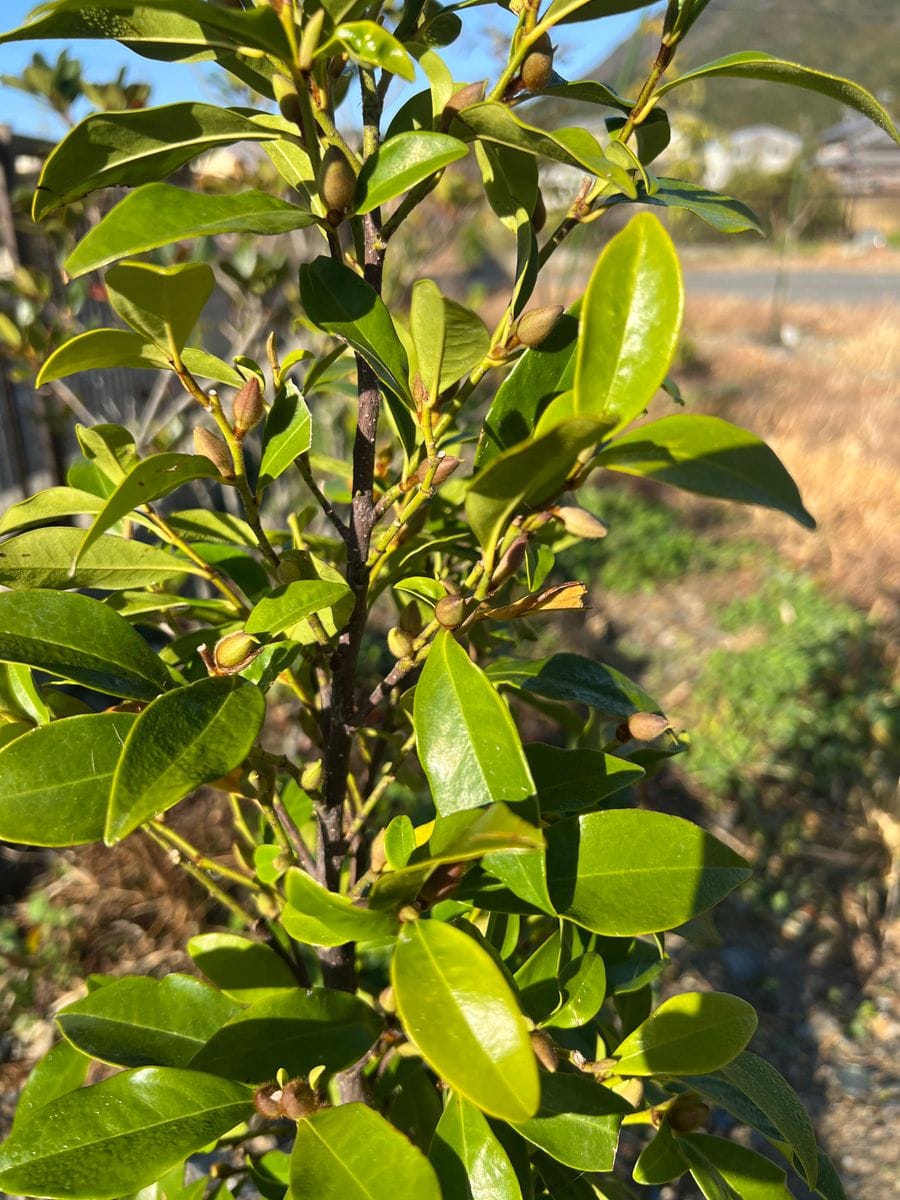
{"x": 860, "y": 40}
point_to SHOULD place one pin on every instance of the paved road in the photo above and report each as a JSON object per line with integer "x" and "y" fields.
{"x": 823, "y": 287}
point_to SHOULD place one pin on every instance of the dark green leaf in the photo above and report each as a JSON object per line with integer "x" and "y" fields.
{"x": 162, "y": 304}
{"x": 828, "y": 1182}
{"x": 285, "y": 606}
{"x": 159, "y": 214}
{"x": 242, "y": 969}
{"x": 577, "y": 1122}
{"x": 287, "y": 433}
{"x": 466, "y": 739}
{"x": 661, "y": 1159}
{"x": 297, "y": 1030}
{"x": 461, "y": 1013}
{"x": 709, "y": 456}
{"x": 750, "y": 1175}
{"x": 721, "y": 212}
{"x": 689, "y": 1033}
{"x": 185, "y": 738}
{"x": 142, "y": 1022}
{"x": 626, "y": 872}
{"x": 565, "y": 12}
{"x": 352, "y": 1153}
{"x": 55, "y": 780}
{"x": 400, "y": 163}
{"x": 570, "y": 781}
{"x": 321, "y": 918}
{"x": 589, "y": 91}
{"x": 101, "y": 1142}
{"x": 630, "y": 322}
{"x": 100, "y": 348}
{"x": 575, "y": 679}
{"x": 130, "y": 148}
{"x": 81, "y": 640}
{"x": 469, "y": 1160}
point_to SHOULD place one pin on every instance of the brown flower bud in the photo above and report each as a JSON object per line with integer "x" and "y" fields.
{"x": 287, "y": 98}
{"x": 337, "y": 184}
{"x": 267, "y": 1100}
{"x": 537, "y": 324}
{"x": 580, "y": 523}
{"x": 450, "y": 611}
{"x": 688, "y": 1113}
{"x": 539, "y": 213}
{"x": 472, "y": 93}
{"x": 214, "y": 447}
{"x": 233, "y": 652}
{"x": 510, "y": 562}
{"x": 410, "y": 619}
{"x": 537, "y": 66}
{"x": 444, "y": 470}
{"x": 399, "y": 643}
{"x": 248, "y": 408}
{"x": 544, "y": 1050}
{"x": 298, "y": 1099}
{"x": 644, "y": 726}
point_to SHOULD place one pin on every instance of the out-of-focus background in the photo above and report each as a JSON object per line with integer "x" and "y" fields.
{"x": 775, "y": 648}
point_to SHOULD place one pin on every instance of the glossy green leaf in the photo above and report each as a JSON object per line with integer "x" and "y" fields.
{"x": 723, "y": 213}
{"x": 582, "y": 982}
{"x": 345, "y": 305}
{"x": 709, "y": 456}
{"x": 81, "y": 640}
{"x": 427, "y": 331}
{"x": 537, "y": 979}
{"x": 567, "y": 11}
{"x": 19, "y": 696}
{"x": 158, "y": 214}
{"x": 321, "y": 918}
{"x": 143, "y": 1022}
{"x": 589, "y": 91}
{"x": 752, "y": 64}
{"x": 466, "y": 342}
{"x": 185, "y": 738}
{"x": 297, "y": 1030}
{"x": 630, "y": 323}
{"x": 292, "y": 602}
{"x": 101, "y": 1142}
{"x": 525, "y": 476}
{"x": 540, "y": 374}
{"x": 162, "y": 304}
{"x": 400, "y": 163}
{"x": 630, "y": 964}
{"x": 242, "y": 969}
{"x": 626, "y": 872}
{"x": 510, "y": 179}
{"x": 748, "y": 1174}
{"x": 352, "y": 1153}
{"x": 576, "y": 679}
{"x": 113, "y": 148}
{"x": 60, "y": 1071}
{"x": 572, "y": 781}
{"x": 373, "y": 46}
{"x": 110, "y": 448}
{"x": 466, "y": 740}
{"x": 102, "y": 348}
{"x": 577, "y": 1122}
{"x": 286, "y": 435}
{"x": 689, "y": 1033}
{"x": 471, "y": 1163}
{"x": 49, "y": 505}
{"x": 661, "y": 1160}
{"x": 759, "y": 1096}
{"x": 459, "y": 1010}
{"x": 55, "y": 781}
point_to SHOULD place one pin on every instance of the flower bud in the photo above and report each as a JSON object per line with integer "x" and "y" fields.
{"x": 688, "y": 1113}
{"x": 267, "y": 1100}
{"x": 298, "y": 1099}
{"x": 248, "y": 408}
{"x": 287, "y": 99}
{"x": 399, "y": 643}
{"x": 472, "y": 93}
{"x": 444, "y": 470}
{"x": 644, "y": 726}
{"x": 537, "y": 66}
{"x": 233, "y": 652}
{"x": 510, "y": 562}
{"x": 537, "y": 324}
{"x": 311, "y": 775}
{"x": 410, "y": 619}
{"x": 214, "y": 447}
{"x": 386, "y": 1001}
{"x": 544, "y": 1050}
{"x": 450, "y": 611}
{"x": 580, "y": 523}
{"x": 337, "y": 184}
{"x": 539, "y": 213}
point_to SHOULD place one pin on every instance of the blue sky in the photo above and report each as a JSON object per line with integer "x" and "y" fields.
{"x": 580, "y": 47}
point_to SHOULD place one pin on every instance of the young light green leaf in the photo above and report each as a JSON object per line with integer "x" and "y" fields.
{"x": 352, "y": 1153}
{"x": 81, "y": 640}
{"x": 111, "y": 148}
{"x": 44, "y": 558}
{"x": 689, "y": 1033}
{"x": 709, "y": 456}
{"x": 317, "y": 917}
{"x": 573, "y": 781}
{"x": 400, "y": 163}
{"x": 427, "y": 329}
{"x": 101, "y": 348}
{"x": 625, "y": 872}
{"x": 185, "y": 738}
{"x": 466, "y": 739}
{"x": 340, "y": 302}
{"x": 526, "y": 476}
{"x": 287, "y": 433}
{"x": 143, "y": 1022}
{"x": 49, "y": 505}
{"x": 113, "y": 1138}
{"x": 286, "y": 605}
{"x": 459, "y": 1010}
{"x": 160, "y": 303}
{"x": 158, "y": 214}
{"x": 60, "y": 1071}
{"x": 55, "y": 780}
{"x": 469, "y": 1159}
{"x": 753, "y": 64}
{"x": 748, "y": 1174}
{"x": 242, "y": 969}
{"x": 373, "y": 46}
{"x": 577, "y": 1122}
{"x": 630, "y": 322}
{"x": 296, "y": 1030}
